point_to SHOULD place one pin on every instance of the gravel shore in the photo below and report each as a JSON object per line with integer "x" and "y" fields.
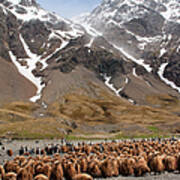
{"x": 15, "y": 146}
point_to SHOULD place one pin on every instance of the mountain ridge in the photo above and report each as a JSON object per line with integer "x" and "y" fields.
{"x": 130, "y": 55}
{"x": 139, "y": 27}
{"x": 43, "y": 35}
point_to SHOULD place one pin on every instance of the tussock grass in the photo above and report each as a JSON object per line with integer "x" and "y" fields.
{"x": 163, "y": 101}
{"x": 109, "y": 110}
{"x": 12, "y": 116}
{"x": 22, "y": 107}
{"x": 46, "y": 128}
{"x": 17, "y": 121}
{"x": 158, "y": 119}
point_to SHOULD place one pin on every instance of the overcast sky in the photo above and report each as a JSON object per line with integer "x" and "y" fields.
{"x": 69, "y": 8}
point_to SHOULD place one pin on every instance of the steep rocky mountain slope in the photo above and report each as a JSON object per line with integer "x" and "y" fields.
{"x": 30, "y": 36}
{"x": 95, "y": 70}
{"x": 146, "y": 33}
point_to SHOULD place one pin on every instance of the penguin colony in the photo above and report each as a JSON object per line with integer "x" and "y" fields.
{"x": 85, "y": 161}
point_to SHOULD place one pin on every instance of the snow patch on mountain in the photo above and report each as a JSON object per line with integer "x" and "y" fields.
{"x": 147, "y": 40}
{"x": 53, "y": 35}
{"x": 81, "y": 18}
{"x": 4, "y": 9}
{"x": 63, "y": 45}
{"x": 31, "y": 62}
{"x": 27, "y": 73}
{"x": 142, "y": 45}
{"x": 169, "y": 9}
{"x": 131, "y": 101}
{"x": 91, "y": 31}
{"x": 14, "y": 1}
{"x": 111, "y": 21}
{"x": 29, "y": 12}
{"x": 178, "y": 49}
{"x": 134, "y": 72}
{"x": 33, "y": 59}
{"x": 110, "y": 85}
{"x": 44, "y": 105}
{"x": 71, "y": 34}
{"x": 172, "y": 12}
{"x": 138, "y": 61}
{"x": 119, "y": 10}
{"x": 162, "y": 52}
{"x": 170, "y": 83}
{"x": 90, "y": 42}
{"x": 126, "y": 81}
{"x": 31, "y": 65}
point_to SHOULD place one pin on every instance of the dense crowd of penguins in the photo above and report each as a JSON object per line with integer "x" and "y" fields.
{"x": 85, "y": 161}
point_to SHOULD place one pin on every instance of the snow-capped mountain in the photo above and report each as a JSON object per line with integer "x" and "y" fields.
{"x": 129, "y": 48}
{"x": 142, "y": 18}
{"x": 146, "y": 21}
{"x": 93, "y": 73}
{"x": 122, "y": 11}
{"x": 80, "y": 18}
{"x": 32, "y": 36}
{"x": 20, "y": 2}
{"x": 144, "y": 32}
